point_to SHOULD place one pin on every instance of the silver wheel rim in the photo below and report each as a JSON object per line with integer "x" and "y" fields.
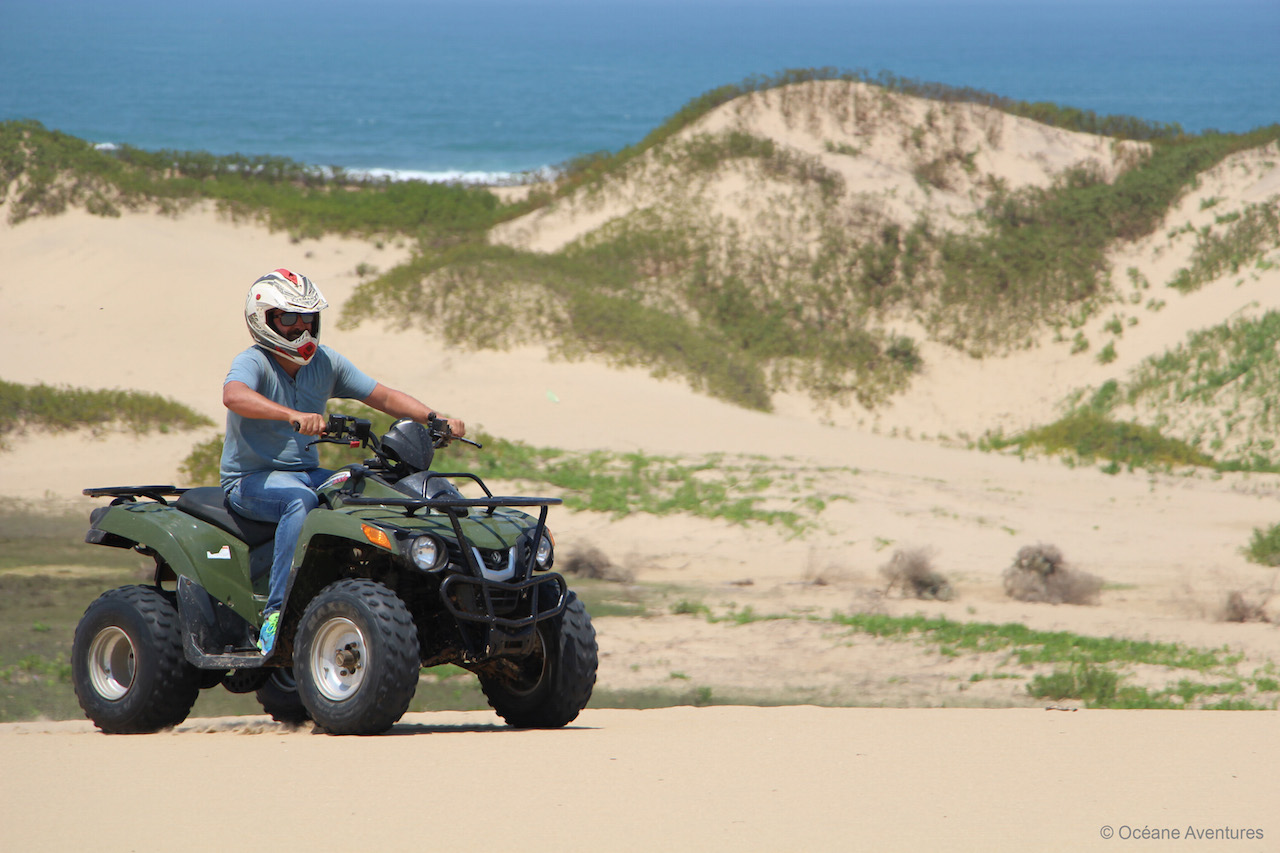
{"x": 339, "y": 657}
{"x": 112, "y": 663}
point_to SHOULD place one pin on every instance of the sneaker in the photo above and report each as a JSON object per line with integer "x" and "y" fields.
{"x": 267, "y": 633}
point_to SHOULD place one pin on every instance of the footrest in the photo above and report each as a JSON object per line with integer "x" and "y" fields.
{"x": 237, "y": 659}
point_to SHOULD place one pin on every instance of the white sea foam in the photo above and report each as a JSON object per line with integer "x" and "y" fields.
{"x": 454, "y": 176}
{"x": 447, "y": 176}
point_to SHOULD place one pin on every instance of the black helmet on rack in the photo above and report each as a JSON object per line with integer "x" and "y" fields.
{"x": 409, "y": 443}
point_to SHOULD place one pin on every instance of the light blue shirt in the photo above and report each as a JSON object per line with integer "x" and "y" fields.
{"x": 253, "y": 444}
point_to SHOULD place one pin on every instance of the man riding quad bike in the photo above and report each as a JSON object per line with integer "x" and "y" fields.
{"x": 394, "y": 570}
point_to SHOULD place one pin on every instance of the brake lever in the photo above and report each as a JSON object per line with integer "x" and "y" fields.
{"x": 349, "y": 442}
{"x": 444, "y": 433}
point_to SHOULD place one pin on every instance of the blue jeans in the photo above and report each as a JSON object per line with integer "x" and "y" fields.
{"x": 284, "y": 497}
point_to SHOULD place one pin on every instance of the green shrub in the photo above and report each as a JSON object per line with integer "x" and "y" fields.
{"x": 1094, "y": 685}
{"x": 1264, "y": 547}
{"x": 1089, "y": 434}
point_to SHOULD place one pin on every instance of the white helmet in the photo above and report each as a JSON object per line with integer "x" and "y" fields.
{"x": 283, "y": 290}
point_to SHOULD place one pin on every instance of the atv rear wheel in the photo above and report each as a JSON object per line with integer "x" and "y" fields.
{"x": 127, "y": 665}
{"x": 279, "y": 698}
{"x": 356, "y": 658}
{"x": 547, "y": 689}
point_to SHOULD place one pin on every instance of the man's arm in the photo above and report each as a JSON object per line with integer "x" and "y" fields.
{"x": 400, "y": 405}
{"x": 244, "y": 401}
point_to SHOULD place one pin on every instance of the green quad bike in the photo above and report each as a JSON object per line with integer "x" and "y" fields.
{"x": 395, "y": 570}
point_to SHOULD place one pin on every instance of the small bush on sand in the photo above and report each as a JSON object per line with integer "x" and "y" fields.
{"x": 1264, "y": 547}
{"x": 1095, "y": 685}
{"x": 588, "y": 561}
{"x": 1040, "y": 573}
{"x": 912, "y": 572}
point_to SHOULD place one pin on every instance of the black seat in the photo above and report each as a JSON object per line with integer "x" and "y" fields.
{"x": 209, "y": 503}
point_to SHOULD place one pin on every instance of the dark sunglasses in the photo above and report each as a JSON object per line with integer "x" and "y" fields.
{"x": 288, "y": 318}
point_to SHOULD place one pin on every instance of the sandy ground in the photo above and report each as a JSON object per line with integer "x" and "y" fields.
{"x": 732, "y": 778}
{"x": 153, "y": 303}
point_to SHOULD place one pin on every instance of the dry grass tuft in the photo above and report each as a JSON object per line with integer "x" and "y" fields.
{"x": 913, "y": 573}
{"x": 1249, "y": 606}
{"x": 1242, "y": 608}
{"x": 588, "y": 561}
{"x": 1040, "y": 573}
{"x": 820, "y": 572}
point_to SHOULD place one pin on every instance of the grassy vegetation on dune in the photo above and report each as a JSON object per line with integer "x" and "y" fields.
{"x": 1245, "y": 237}
{"x": 744, "y": 316}
{"x": 648, "y": 298}
{"x": 590, "y": 167}
{"x": 56, "y": 409}
{"x": 1043, "y": 257}
{"x": 1086, "y": 435}
{"x": 44, "y": 171}
{"x": 810, "y": 304}
{"x": 1212, "y": 401}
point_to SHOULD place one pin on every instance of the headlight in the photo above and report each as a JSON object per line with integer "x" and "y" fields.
{"x": 546, "y": 550}
{"x": 428, "y": 553}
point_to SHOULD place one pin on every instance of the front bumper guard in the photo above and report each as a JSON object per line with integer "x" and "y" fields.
{"x": 495, "y": 617}
{"x": 528, "y": 597}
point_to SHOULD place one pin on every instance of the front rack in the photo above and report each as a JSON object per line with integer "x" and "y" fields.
{"x": 448, "y": 505}
{"x": 412, "y": 505}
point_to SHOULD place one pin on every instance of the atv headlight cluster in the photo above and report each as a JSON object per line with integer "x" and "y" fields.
{"x": 546, "y": 555}
{"x": 428, "y": 553}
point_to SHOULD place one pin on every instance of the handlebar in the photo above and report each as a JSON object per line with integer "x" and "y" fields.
{"x": 358, "y": 432}
{"x": 344, "y": 429}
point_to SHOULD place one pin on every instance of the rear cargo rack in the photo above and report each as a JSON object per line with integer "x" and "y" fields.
{"x": 128, "y": 493}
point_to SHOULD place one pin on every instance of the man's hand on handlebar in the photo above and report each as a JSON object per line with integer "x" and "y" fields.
{"x": 457, "y": 426}
{"x": 308, "y": 423}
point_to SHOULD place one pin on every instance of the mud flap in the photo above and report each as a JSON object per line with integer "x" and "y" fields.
{"x": 214, "y": 635}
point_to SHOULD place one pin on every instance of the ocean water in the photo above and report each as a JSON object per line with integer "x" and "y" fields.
{"x": 491, "y": 87}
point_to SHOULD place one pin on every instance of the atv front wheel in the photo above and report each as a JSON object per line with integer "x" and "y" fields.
{"x": 127, "y": 666}
{"x": 547, "y": 689}
{"x": 356, "y": 658}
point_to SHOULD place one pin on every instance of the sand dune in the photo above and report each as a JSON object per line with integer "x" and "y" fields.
{"x": 154, "y": 303}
